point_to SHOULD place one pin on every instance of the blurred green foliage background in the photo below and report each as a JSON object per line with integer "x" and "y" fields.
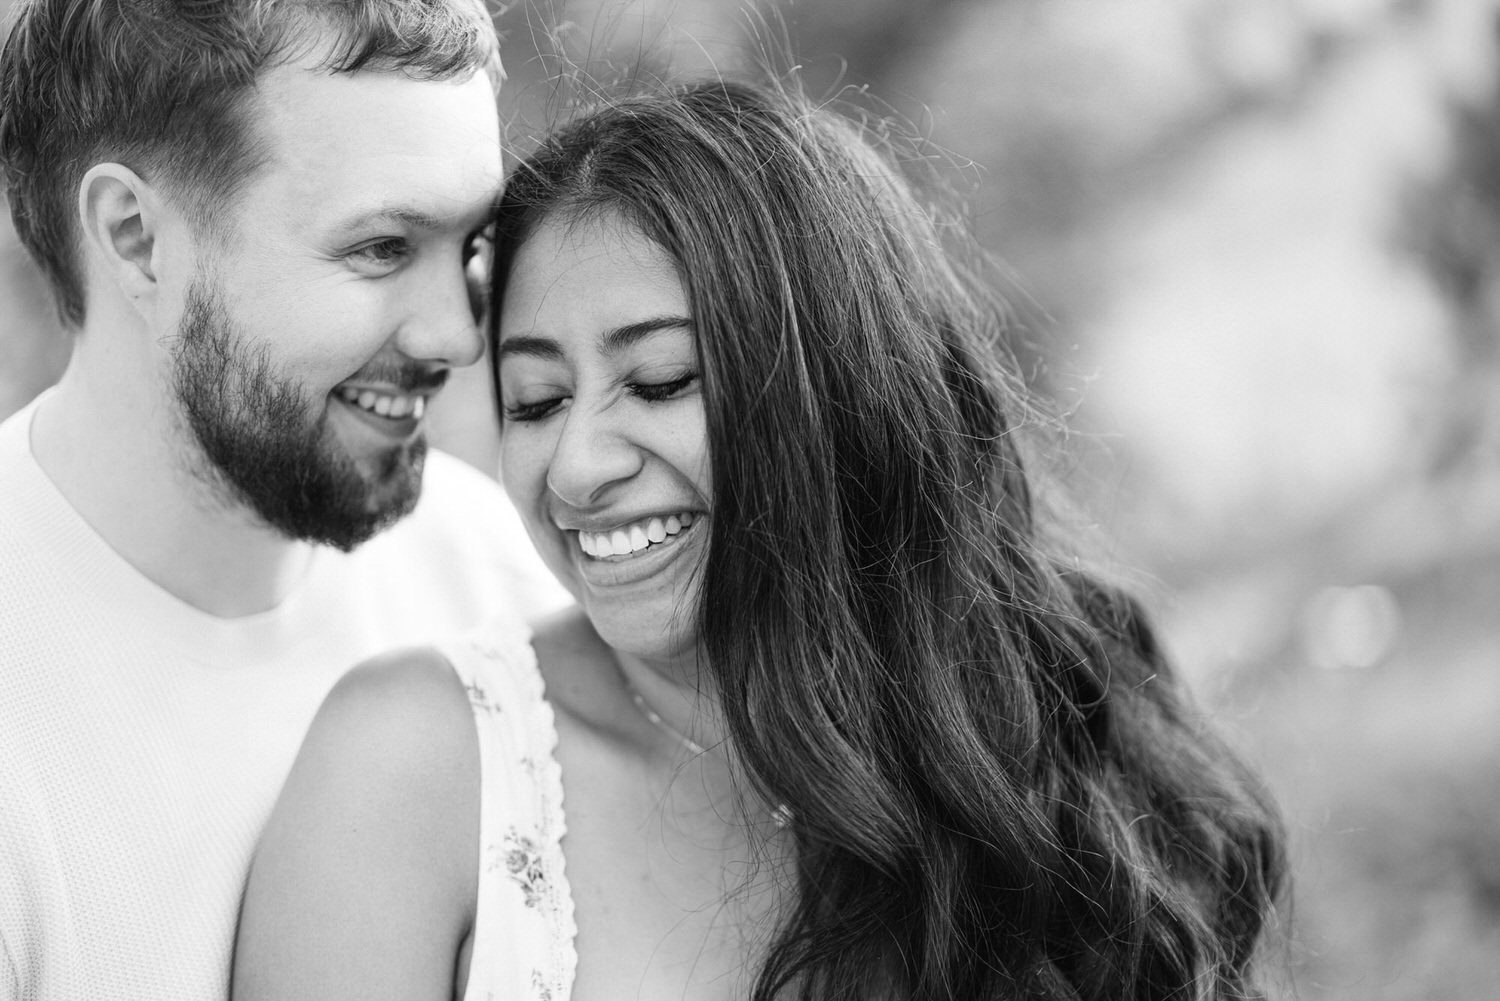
{"x": 1260, "y": 245}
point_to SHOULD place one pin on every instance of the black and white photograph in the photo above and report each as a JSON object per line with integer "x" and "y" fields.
{"x": 749, "y": 500}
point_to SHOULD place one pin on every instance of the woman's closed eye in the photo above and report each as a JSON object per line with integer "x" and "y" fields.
{"x": 533, "y": 410}
{"x": 654, "y": 392}
{"x": 650, "y": 392}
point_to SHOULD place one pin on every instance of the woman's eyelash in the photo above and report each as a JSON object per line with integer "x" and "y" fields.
{"x": 523, "y": 412}
{"x": 651, "y": 392}
{"x": 655, "y": 391}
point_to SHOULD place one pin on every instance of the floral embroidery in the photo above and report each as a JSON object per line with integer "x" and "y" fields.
{"x": 535, "y": 959}
{"x": 480, "y": 699}
{"x": 523, "y": 860}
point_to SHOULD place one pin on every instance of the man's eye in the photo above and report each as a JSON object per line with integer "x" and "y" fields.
{"x": 387, "y": 251}
{"x": 478, "y": 253}
{"x": 480, "y": 246}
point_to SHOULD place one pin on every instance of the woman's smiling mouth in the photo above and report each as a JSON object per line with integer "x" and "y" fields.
{"x": 634, "y": 538}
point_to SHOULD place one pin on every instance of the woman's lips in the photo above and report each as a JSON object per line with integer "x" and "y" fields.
{"x": 635, "y": 537}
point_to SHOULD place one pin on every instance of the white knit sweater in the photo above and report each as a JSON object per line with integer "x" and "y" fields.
{"x": 143, "y": 742}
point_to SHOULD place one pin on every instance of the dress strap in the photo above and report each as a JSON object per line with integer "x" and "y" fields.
{"x": 524, "y": 931}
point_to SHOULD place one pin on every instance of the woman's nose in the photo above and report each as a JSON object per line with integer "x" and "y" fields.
{"x": 590, "y": 456}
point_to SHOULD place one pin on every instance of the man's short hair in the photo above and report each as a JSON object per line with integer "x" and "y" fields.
{"x": 162, "y": 86}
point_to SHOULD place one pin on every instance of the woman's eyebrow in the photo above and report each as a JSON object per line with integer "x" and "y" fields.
{"x": 530, "y": 346}
{"x": 615, "y": 341}
{"x": 621, "y": 338}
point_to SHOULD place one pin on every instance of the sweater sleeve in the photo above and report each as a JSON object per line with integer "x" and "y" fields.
{"x": 10, "y": 980}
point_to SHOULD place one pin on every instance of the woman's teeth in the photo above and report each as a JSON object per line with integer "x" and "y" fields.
{"x": 634, "y": 537}
{"x": 392, "y": 405}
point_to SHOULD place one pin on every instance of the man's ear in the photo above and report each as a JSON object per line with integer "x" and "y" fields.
{"x": 120, "y": 215}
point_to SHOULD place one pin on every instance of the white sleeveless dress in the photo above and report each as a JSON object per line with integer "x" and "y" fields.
{"x": 524, "y": 930}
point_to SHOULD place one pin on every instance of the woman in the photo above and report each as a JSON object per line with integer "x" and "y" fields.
{"x": 833, "y": 720}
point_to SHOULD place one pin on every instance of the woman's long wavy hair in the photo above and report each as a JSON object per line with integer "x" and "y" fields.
{"x": 998, "y": 787}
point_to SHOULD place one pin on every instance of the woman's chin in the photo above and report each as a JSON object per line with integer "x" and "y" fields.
{"x": 647, "y": 634}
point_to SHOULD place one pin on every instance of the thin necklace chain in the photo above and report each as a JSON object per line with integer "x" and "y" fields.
{"x": 781, "y": 814}
{"x": 654, "y": 718}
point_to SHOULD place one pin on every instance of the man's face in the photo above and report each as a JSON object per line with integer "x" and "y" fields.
{"x": 311, "y": 343}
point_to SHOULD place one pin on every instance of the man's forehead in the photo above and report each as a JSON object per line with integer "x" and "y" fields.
{"x": 360, "y": 145}
{"x": 307, "y": 107}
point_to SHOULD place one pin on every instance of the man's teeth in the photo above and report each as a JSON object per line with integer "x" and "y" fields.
{"x": 392, "y": 405}
{"x": 633, "y": 538}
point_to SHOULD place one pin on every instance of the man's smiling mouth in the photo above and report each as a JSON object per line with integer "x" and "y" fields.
{"x": 396, "y": 406}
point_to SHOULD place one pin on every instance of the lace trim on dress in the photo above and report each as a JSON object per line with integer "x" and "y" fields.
{"x": 518, "y": 741}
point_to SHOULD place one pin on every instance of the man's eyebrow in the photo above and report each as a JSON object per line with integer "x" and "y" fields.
{"x": 412, "y": 218}
{"x": 615, "y": 341}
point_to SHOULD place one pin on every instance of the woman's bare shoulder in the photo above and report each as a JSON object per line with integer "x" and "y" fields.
{"x": 409, "y": 682}
{"x": 397, "y": 725}
{"x": 364, "y": 880}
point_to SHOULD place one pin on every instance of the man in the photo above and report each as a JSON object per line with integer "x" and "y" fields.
{"x": 256, "y": 216}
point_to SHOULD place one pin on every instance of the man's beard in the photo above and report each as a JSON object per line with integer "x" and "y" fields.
{"x": 273, "y": 449}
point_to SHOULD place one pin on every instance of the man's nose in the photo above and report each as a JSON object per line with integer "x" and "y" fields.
{"x": 439, "y": 323}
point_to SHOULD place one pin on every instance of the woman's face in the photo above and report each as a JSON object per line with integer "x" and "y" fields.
{"x": 604, "y": 448}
